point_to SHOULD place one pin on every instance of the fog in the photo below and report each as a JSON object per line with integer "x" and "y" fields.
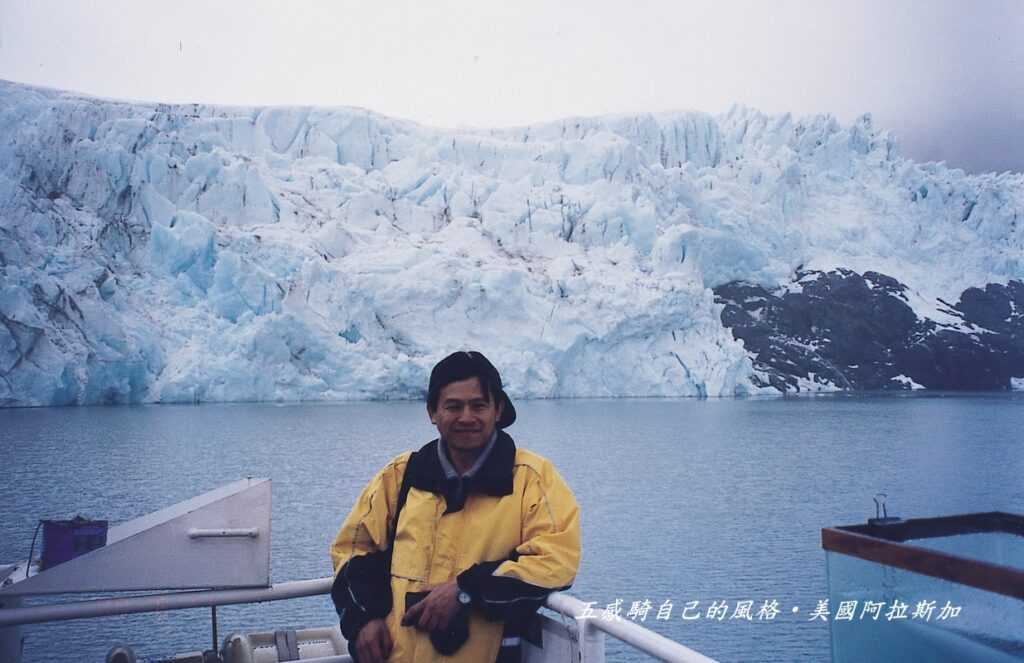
{"x": 946, "y": 77}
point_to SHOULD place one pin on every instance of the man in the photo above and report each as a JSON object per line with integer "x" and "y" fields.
{"x": 485, "y": 531}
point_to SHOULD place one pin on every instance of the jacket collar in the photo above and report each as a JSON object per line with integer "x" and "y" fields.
{"x": 494, "y": 477}
{"x": 449, "y": 470}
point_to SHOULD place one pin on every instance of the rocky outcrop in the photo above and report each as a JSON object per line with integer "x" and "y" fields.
{"x": 844, "y": 330}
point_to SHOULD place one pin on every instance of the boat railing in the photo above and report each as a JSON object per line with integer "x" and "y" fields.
{"x": 585, "y": 626}
{"x": 590, "y": 630}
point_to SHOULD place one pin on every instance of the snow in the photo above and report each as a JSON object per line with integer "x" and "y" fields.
{"x": 814, "y": 383}
{"x": 153, "y": 252}
{"x": 908, "y": 382}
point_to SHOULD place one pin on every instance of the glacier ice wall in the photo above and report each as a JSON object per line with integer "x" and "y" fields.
{"x": 153, "y": 252}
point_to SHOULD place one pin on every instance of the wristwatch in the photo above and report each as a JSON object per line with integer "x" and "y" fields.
{"x": 464, "y": 598}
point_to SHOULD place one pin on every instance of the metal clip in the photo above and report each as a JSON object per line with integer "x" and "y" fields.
{"x": 881, "y": 513}
{"x": 880, "y": 504}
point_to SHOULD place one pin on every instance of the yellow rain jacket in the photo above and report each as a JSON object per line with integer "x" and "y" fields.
{"x": 511, "y": 536}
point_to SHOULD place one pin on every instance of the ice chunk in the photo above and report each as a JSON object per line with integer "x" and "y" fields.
{"x": 241, "y": 287}
{"x": 185, "y": 245}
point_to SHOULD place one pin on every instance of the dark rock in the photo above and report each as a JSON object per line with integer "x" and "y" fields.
{"x": 853, "y": 331}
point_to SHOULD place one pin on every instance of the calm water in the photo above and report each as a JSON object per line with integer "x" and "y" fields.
{"x": 683, "y": 500}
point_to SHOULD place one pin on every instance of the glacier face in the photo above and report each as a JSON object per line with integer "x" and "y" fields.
{"x": 185, "y": 253}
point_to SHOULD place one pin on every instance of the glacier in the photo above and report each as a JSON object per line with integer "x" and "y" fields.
{"x": 190, "y": 253}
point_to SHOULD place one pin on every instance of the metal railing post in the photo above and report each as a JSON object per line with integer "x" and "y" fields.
{"x": 213, "y": 624}
{"x": 591, "y": 641}
{"x": 10, "y": 636}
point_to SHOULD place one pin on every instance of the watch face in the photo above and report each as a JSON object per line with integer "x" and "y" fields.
{"x": 464, "y": 598}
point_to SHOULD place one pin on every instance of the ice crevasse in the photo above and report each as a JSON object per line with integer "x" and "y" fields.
{"x": 191, "y": 253}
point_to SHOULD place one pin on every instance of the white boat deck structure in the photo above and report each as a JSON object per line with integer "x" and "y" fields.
{"x": 574, "y": 638}
{"x": 232, "y": 523}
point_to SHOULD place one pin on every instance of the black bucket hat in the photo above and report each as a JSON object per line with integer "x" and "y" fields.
{"x": 469, "y": 364}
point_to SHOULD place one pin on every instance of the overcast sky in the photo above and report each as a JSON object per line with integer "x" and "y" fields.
{"x": 946, "y": 76}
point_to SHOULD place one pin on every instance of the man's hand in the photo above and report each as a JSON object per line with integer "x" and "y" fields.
{"x": 373, "y": 644}
{"x": 436, "y": 610}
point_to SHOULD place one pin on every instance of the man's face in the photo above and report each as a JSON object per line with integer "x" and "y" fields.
{"x": 465, "y": 416}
